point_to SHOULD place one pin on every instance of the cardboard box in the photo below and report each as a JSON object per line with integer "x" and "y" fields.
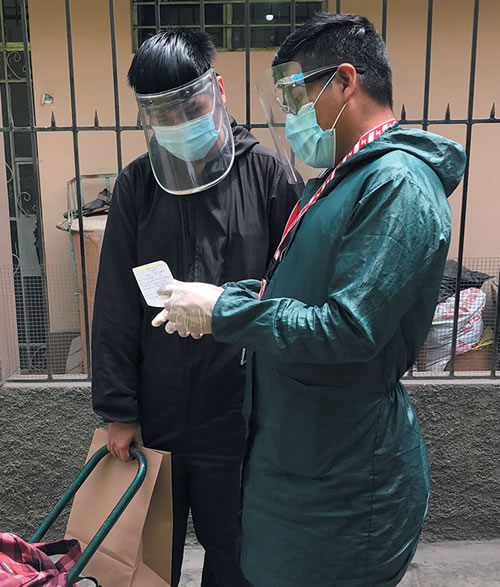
{"x": 93, "y": 233}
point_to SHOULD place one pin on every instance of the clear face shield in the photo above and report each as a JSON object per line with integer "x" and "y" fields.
{"x": 188, "y": 134}
{"x": 282, "y": 92}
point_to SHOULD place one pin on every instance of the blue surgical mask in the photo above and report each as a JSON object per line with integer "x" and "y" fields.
{"x": 312, "y": 145}
{"x": 189, "y": 141}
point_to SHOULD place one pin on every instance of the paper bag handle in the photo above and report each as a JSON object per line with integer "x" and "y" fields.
{"x": 110, "y": 520}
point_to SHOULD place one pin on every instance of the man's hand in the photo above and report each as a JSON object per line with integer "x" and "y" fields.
{"x": 120, "y": 437}
{"x": 188, "y": 308}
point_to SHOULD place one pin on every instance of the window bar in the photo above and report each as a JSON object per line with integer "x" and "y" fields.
{"x": 76, "y": 156}
{"x": 247, "y": 62}
{"x": 496, "y": 337}
{"x": 227, "y": 32}
{"x": 428, "y": 54}
{"x": 384, "y": 20}
{"x": 11, "y": 128}
{"x": 157, "y": 16}
{"x": 36, "y": 176}
{"x": 468, "y": 142}
{"x": 2, "y": 28}
{"x": 115, "y": 86}
{"x": 202, "y": 16}
{"x": 293, "y": 28}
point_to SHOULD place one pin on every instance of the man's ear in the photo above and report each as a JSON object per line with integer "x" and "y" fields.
{"x": 348, "y": 78}
{"x": 220, "y": 81}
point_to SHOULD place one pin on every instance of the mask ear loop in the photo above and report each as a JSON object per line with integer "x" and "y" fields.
{"x": 319, "y": 96}
{"x": 324, "y": 88}
{"x": 337, "y": 119}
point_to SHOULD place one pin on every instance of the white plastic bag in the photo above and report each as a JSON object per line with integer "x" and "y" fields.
{"x": 470, "y": 327}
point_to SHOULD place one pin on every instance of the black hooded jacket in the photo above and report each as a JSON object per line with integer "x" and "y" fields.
{"x": 187, "y": 394}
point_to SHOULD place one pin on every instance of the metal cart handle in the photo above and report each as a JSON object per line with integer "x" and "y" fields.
{"x": 110, "y": 520}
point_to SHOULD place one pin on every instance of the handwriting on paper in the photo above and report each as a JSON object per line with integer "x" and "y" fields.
{"x": 149, "y": 278}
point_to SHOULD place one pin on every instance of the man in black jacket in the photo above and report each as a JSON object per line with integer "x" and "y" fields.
{"x": 212, "y": 203}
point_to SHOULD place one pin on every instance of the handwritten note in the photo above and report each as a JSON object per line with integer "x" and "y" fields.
{"x": 149, "y": 278}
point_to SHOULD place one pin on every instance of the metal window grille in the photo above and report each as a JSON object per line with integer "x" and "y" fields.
{"x": 270, "y": 22}
{"x": 24, "y": 285}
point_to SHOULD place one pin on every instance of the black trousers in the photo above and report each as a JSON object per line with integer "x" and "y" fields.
{"x": 210, "y": 487}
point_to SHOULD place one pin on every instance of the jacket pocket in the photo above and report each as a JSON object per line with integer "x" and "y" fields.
{"x": 305, "y": 435}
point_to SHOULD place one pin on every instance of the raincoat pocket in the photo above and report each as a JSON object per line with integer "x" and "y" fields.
{"x": 304, "y": 440}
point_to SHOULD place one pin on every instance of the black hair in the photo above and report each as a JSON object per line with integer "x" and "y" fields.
{"x": 332, "y": 39}
{"x": 170, "y": 59}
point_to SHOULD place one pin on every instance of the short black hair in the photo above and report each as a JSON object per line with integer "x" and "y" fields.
{"x": 332, "y": 39}
{"x": 170, "y": 59}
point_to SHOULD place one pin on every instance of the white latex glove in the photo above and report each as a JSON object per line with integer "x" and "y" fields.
{"x": 188, "y": 308}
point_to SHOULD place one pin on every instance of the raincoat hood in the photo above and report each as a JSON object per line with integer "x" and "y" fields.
{"x": 446, "y": 158}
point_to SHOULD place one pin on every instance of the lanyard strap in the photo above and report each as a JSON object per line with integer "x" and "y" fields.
{"x": 298, "y": 213}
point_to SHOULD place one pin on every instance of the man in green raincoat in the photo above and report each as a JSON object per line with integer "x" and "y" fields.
{"x": 336, "y": 481}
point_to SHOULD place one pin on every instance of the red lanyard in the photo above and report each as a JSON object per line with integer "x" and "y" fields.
{"x": 298, "y": 213}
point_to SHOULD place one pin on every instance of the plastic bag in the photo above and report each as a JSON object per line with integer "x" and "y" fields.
{"x": 468, "y": 279}
{"x": 470, "y": 327}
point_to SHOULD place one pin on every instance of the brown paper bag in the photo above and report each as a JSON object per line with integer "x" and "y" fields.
{"x": 138, "y": 550}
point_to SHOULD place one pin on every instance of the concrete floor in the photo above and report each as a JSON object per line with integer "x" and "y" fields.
{"x": 443, "y": 564}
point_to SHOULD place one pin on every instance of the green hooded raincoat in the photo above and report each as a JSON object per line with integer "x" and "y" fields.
{"x": 336, "y": 482}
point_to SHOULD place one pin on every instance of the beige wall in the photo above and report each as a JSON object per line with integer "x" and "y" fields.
{"x": 406, "y": 44}
{"x": 94, "y": 92}
{"x": 450, "y": 66}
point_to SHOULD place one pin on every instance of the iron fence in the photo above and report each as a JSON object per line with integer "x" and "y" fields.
{"x": 40, "y": 355}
